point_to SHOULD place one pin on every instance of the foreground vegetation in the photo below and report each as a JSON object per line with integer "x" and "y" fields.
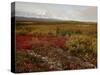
{"x": 49, "y": 46}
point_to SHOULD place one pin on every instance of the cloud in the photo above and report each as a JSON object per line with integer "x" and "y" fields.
{"x": 64, "y": 12}
{"x": 88, "y": 14}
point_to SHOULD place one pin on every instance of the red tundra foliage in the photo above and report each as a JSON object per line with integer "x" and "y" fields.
{"x": 23, "y": 41}
{"x": 27, "y": 41}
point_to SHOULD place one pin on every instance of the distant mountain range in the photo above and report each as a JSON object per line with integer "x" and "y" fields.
{"x": 48, "y": 20}
{"x": 38, "y": 19}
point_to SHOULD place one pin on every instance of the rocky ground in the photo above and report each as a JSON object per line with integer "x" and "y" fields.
{"x": 48, "y": 59}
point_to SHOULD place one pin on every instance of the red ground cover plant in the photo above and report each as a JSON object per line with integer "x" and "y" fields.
{"x": 27, "y": 41}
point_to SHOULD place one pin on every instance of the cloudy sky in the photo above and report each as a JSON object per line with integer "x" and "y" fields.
{"x": 56, "y": 11}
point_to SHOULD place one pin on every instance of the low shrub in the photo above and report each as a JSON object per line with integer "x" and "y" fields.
{"x": 83, "y": 46}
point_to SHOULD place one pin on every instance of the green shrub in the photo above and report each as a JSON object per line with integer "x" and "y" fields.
{"x": 64, "y": 32}
{"x": 82, "y": 46}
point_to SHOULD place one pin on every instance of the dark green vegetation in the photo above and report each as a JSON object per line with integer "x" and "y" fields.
{"x": 50, "y": 46}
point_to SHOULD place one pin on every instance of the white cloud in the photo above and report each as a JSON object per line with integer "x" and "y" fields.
{"x": 65, "y": 12}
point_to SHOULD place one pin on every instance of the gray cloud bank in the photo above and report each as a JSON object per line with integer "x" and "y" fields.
{"x": 56, "y": 11}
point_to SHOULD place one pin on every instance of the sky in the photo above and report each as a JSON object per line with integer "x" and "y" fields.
{"x": 56, "y": 11}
